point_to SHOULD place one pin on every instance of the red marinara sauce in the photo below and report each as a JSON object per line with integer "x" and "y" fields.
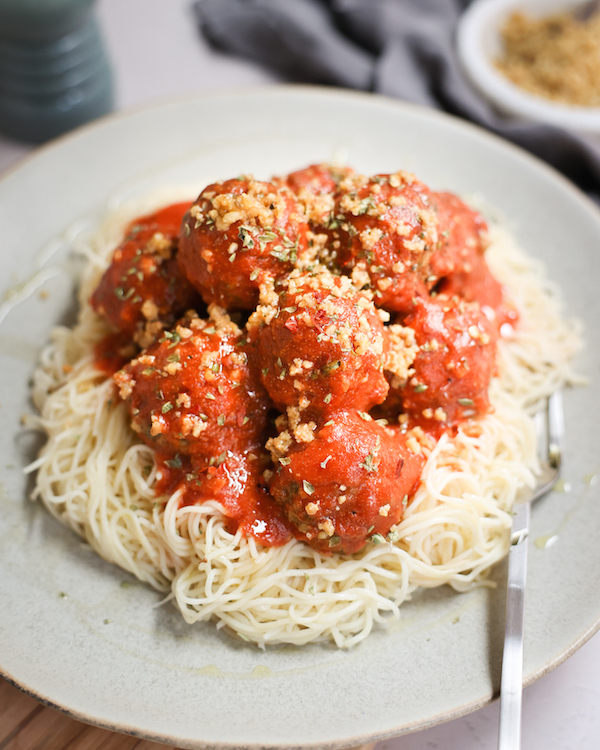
{"x": 236, "y": 481}
{"x": 363, "y": 293}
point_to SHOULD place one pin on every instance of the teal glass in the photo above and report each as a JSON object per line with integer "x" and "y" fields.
{"x": 54, "y": 73}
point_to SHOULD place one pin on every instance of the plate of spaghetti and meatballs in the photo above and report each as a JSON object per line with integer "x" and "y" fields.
{"x": 297, "y": 401}
{"x": 292, "y": 352}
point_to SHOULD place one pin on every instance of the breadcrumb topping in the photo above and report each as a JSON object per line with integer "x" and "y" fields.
{"x": 259, "y": 205}
{"x": 401, "y": 354}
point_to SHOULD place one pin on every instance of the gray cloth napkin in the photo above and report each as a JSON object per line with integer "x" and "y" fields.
{"x": 401, "y": 48}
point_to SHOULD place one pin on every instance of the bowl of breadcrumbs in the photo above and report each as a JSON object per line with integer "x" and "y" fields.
{"x": 537, "y": 60}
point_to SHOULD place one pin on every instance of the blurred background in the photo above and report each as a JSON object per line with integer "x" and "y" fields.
{"x": 157, "y": 49}
{"x": 156, "y": 52}
{"x": 535, "y": 82}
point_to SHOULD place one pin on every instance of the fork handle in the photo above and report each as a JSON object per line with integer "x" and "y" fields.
{"x": 511, "y": 687}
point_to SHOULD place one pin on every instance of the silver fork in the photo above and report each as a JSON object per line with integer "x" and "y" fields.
{"x": 550, "y": 433}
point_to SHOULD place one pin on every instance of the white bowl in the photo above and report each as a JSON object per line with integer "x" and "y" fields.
{"x": 479, "y": 43}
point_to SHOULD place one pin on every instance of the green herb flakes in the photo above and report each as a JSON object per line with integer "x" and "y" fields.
{"x": 122, "y": 294}
{"x": 307, "y": 487}
{"x": 171, "y": 336}
{"x": 332, "y": 366}
{"x": 245, "y": 237}
{"x": 369, "y": 463}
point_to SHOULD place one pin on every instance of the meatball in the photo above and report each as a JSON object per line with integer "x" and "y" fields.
{"x": 475, "y": 283}
{"x": 143, "y": 283}
{"x": 454, "y": 363}
{"x": 462, "y": 235}
{"x": 460, "y": 261}
{"x": 350, "y": 484}
{"x": 387, "y": 227}
{"x": 315, "y": 187}
{"x": 194, "y": 392}
{"x": 321, "y": 345}
{"x": 238, "y": 233}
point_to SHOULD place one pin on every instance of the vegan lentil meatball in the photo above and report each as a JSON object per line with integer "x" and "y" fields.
{"x": 143, "y": 284}
{"x": 387, "y": 227}
{"x": 475, "y": 283}
{"x": 462, "y": 235}
{"x": 454, "y": 363}
{"x": 238, "y": 233}
{"x": 315, "y": 187}
{"x": 349, "y": 485}
{"x": 194, "y": 391}
{"x": 321, "y": 345}
{"x": 460, "y": 260}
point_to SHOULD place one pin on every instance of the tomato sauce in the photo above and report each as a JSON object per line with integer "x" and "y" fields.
{"x": 236, "y": 484}
{"x": 113, "y": 352}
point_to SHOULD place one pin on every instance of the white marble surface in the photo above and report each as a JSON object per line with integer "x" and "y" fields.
{"x": 158, "y": 54}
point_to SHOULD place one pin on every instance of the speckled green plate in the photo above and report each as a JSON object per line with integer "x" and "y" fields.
{"x": 106, "y": 653}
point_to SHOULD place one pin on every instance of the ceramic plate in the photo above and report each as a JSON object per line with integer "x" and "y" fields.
{"x": 81, "y": 635}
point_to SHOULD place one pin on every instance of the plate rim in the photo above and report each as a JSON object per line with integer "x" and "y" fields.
{"x": 326, "y": 92}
